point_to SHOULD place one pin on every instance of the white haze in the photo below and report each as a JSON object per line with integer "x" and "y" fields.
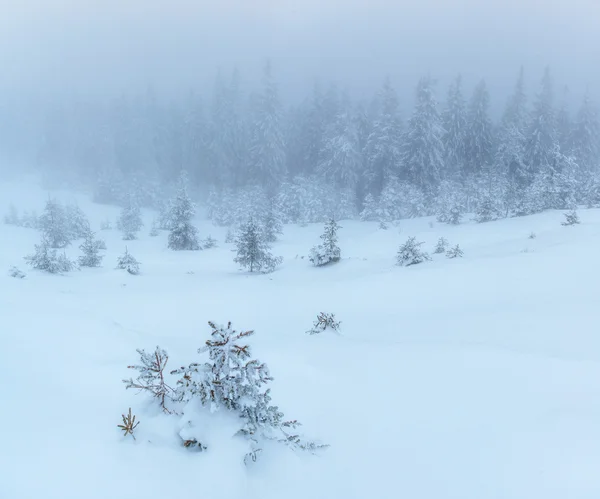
{"x": 112, "y": 46}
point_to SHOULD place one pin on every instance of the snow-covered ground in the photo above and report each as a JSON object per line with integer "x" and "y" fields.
{"x": 474, "y": 378}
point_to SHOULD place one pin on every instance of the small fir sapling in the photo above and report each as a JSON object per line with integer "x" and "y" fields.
{"x": 16, "y": 272}
{"x": 328, "y": 251}
{"x": 441, "y": 246}
{"x": 323, "y": 322}
{"x": 454, "y": 252}
{"x": 129, "y": 424}
{"x": 154, "y": 229}
{"x": 410, "y": 253}
{"x": 130, "y": 219}
{"x": 151, "y": 376}
{"x": 209, "y": 242}
{"x": 230, "y": 235}
{"x": 532, "y": 235}
{"x": 91, "y": 250}
{"x": 47, "y": 259}
{"x": 77, "y": 222}
{"x": 272, "y": 224}
{"x": 571, "y": 218}
{"x": 128, "y": 262}
{"x": 253, "y": 252}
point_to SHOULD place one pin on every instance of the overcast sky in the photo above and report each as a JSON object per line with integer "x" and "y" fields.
{"x": 110, "y": 45}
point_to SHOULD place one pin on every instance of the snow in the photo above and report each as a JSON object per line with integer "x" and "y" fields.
{"x": 472, "y": 378}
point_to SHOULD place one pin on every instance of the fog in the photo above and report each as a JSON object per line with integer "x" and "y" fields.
{"x": 109, "y": 46}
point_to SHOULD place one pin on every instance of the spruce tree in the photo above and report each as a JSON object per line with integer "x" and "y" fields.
{"x": 130, "y": 219}
{"x": 47, "y": 259}
{"x": 253, "y": 251}
{"x": 410, "y": 253}
{"x": 585, "y": 137}
{"x": 479, "y": 135}
{"x": 128, "y": 262}
{"x": 183, "y": 235}
{"x": 328, "y": 251}
{"x": 91, "y": 250}
{"x": 454, "y": 119}
{"x": 54, "y": 225}
{"x": 423, "y": 150}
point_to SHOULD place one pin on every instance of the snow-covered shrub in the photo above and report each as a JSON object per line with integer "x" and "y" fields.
{"x": 253, "y": 252}
{"x": 230, "y": 235}
{"x": 450, "y": 203}
{"x": 47, "y": 259}
{"x": 77, "y": 222}
{"x": 571, "y": 218}
{"x": 128, "y": 262}
{"x": 128, "y": 424}
{"x": 369, "y": 212}
{"x": 454, "y": 252}
{"x": 410, "y": 253}
{"x": 328, "y": 251}
{"x": 91, "y": 250}
{"x": 130, "y": 219}
{"x": 154, "y": 229}
{"x": 54, "y": 225}
{"x": 271, "y": 223}
{"x": 441, "y": 246}
{"x": 12, "y": 217}
{"x": 209, "y": 242}
{"x": 164, "y": 216}
{"x": 183, "y": 234}
{"x": 323, "y": 322}
{"x": 488, "y": 209}
{"x": 16, "y": 272}
{"x": 532, "y": 235}
{"x": 231, "y": 381}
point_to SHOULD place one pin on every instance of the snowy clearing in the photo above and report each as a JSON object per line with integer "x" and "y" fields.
{"x": 470, "y": 378}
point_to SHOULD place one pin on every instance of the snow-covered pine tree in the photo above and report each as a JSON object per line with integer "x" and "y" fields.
{"x": 253, "y": 252}
{"x": 271, "y": 223}
{"x": 454, "y": 120}
{"x": 209, "y": 242}
{"x": 328, "y": 251}
{"x": 91, "y": 250}
{"x": 410, "y": 253}
{"x": 183, "y": 234}
{"x": 324, "y": 322}
{"x": 441, "y": 246}
{"x": 382, "y": 153}
{"x": 423, "y": 148}
{"x": 267, "y": 147}
{"x": 450, "y": 203}
{"x": 564, "y": 127}
{"x": 47, "y": 259}
{"x": 571, "y": 218}
{"x": 455, "y": 252}
{"x": 540, "y": 136}
{"x": 479, "y": 132}
{"x": 369, "y": 211}
{"x": 127, "y": 262}
{"x": 154, "y": 229}
{"x": 585, "y": 137}
{"x": 54, "y": 225}
{"x": 130, "y": 219}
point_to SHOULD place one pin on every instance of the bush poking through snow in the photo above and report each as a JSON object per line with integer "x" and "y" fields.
{"x": 209, "y": 242}
{"x": 441, "y": 246}
{"x": 532, "y": 235}
{"x": 129, "y": 424}
{"x": 129, "y": 263}
{"x": 47, "y": 259}
{"x": 154, "y": 229}
{"x": 571, "y": 218}
{"x": 328, "y": 251}
{"x": 229, "y": 381}
{"x": 410, "y": 253}
{"x": 454, "y": 252}
{"x": 91, "y": 250}
{"x": 17, "y": 273}
{"x": 323, "y": 322}
{"x": 151, "y": 377}
{"x": 253, "y": 252}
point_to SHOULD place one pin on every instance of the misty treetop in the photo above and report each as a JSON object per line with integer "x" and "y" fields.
{"x": 328, "y": 156}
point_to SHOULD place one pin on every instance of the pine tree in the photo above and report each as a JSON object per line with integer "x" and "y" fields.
{"x": 450, "y": 203}
{"x": 455, "y": 252}
{"x": 267, "y": 147}
{"x": 382, "y": 153}
{"x": 253, "y": 252}
{"x": 130, "y": 219}
{"x": 585, "y": 137}
{"x": 183, "y": 235}
{"x": 571, "y": 218}
{"x": 479, "y": 134}
{"x": 272, "y": 224}
{"x": 54, "y": 225}
{"x": 563, "y": 124}
{"x": 77, "y": 223}
{"x": 454, "y": 119}
{"x": 441, "y": 246}
{"x": 328, "y": 251}
{"x": 540, "y": 136}
{"x": 515, "y": 115}
{"x": 410, "y": 253}
{"x": 91, "y": 250}
{"x": 128, "y": 262}
{"x": 423, "y": 150}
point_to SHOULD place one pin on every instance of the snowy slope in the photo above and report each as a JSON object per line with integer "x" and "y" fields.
{"x": 475, "y": 378}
